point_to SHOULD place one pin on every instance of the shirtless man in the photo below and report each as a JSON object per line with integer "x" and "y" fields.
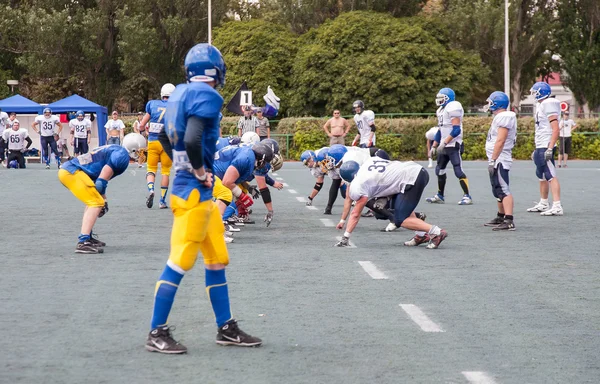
{"x": 339, "y": 128}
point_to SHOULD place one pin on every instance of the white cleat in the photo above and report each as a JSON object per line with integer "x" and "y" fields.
{"x": 466, "y": 200}
{"x": 231, "y": 228}
{"x": 430, "y": 165}
{"x": 539, "y": 207}
{"x": 390, "y": 227}
{"x": 556, "y": 210}
{"x": 228, "y": 239}
{"x": 437, "y": 199}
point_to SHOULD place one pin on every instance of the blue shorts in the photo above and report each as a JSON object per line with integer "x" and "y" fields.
{"x": 499, "y": 181}
{"x": 407, "y": 201}
{"x": 544, "y": 169}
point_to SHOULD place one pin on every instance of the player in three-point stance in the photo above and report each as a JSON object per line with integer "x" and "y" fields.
{"x": 192, "y": 126}
{"x": 81, "y": 132}
{"x": 404, "y": 182}
{"x": 47, "y": 128}
{"x": 547, "y": 111}
{"x": 447, "y": 143}
{"x": 365, "y": 122}
{"x": 155, "y": 112}
{"x": 501, "y": 139}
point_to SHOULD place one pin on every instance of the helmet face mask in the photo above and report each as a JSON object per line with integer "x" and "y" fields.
{"x": 277, "y": 162}
{"x": 540, "y": 90}
{"x": 263, "y": 155}
{"x": 444, "y": 96}
{"x": 358, "y": 107}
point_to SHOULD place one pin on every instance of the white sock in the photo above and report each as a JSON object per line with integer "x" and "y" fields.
{"x": 544, "y": 201}
{"x": 556, "y": 203}
{"x": 419, "y": 233}
{"x": 435, "y": 230}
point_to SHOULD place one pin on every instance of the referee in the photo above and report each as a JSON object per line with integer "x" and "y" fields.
{"x": 248, "y": 122}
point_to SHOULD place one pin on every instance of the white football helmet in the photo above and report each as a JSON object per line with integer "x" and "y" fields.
{"x": 133, "y": 142}
{"x": 250, "y": 138}
{"x": 430, "y": 135}
{"x": 166, "y": 90}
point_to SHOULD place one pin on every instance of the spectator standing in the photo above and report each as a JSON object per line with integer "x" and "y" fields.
{"x": 248, "y": 122}
{"x": 114, "y": 129}
{"x": 263, "y": 129}
{"x": 138, "y": 127}
{"x": 336, "y": 128}
{"x": 566, "y": 126}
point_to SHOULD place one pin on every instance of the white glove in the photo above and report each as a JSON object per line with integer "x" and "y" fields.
{"x": 441, "y": 146}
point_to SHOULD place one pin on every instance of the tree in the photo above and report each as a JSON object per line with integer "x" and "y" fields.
{"x": 578, "y": 42}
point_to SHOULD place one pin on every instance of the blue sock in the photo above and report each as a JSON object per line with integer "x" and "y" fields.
{"x": 229, "y": 211}
{"x": 164, "y": 295}
{"x": 216, "y": 288}
{"x": 84, "y": 237}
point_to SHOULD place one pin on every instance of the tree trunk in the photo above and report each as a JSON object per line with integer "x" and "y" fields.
{"x": 586, "y": 110}
{"x": 515, "y": 91}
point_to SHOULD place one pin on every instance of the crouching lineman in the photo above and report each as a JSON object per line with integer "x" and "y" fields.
{"x": 192, "y": 125}
{"x": 501, "y": 139}
{"x": 87, "y": 176}
{"x": 16, "y": 137}
{"x": 405, "y": 181}
{"x": 309, "y": 160}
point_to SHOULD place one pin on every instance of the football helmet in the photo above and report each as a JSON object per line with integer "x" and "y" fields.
{"x": 80, "y": 115}
{"x": 322, "y": 155}
{"x": 13, "y": 164}
{"x": 358, "y": 106}
{"x": 348, "y": 170}
{"x": 47, "y": 110}
{"x": 263, "y": 154}
{"x": 166, "y": 90}
{"x": 382, "y": 154}
{"x": 444, "y": 96}
{"x": 497, "y": 100}
{"x": 250, "y": 138}
{"x": 273, "y": 144}
{"x": 234, "y": 140}
{"x": 540, "y": 90}
{"x": 205, "y": 63}
{"x": 133, "y": 143}
{"x": 277, "y": 162}
{"x": 334, "y": 156}
{"x": 308, "y": 155}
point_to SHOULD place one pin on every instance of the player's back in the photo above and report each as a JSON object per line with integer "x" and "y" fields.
{"x": 157, "y": 110}
{"x": 92, "y": 162}
{"x": 242, "y": 158}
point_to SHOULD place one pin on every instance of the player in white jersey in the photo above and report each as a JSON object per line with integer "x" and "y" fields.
{"x": 48, "y": 126}
{"x": 402, "y": 181}
{"x": 501, "y": 139}
{"x": 81, "y": 133}
{"x": 547, "y": 112}
{"x": 16, "y": 137}
{"x": 365, "y": 122}
{"x": 447, "y": 145}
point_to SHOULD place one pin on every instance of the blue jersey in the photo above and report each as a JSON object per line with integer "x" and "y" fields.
{"x": 263, "y": 171}
{"x": 202, "y": 101}
{"x": 92, "y": 162}
{"x": 222, "y": 143}
{"x": 156, "y": 109}
{"x": 242, "y": 158}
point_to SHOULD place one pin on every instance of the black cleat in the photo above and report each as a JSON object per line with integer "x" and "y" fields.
{"x": 95, "y": 242}
{"x": 231, "y": 334}
{"x": 369, "y": 213}
{"x": 88, "y": 248}
{"x": 161, "y": 340}
{"x": 496, "y": 221}
{"x": 327, "y": 211}
{"x": 150, "y": 200}
{"x": 421, "y": 215}
{"x": 506, "y": 225}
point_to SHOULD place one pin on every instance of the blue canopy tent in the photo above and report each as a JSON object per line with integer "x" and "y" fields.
{"x": 75, "y": 103}
{"x": 20, "y": 104}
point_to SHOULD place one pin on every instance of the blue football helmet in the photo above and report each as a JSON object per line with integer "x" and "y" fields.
{"x": 13, "y": 164}
{"x": 205, "y": 63}
{"x": 348, "y": 170}
{"x": 382, "y": 154}
{"x": 322, "y": 155}
{"x": 444, "y": 96}
{"x": 234, "y": 140}
{"x": 497, "y": 100}
{"x": 47, "y": 110}
{"x": 80, "y": 114}
{"x": 334, "y": 156}
{"x": 308, "y": 155}
{"x": 273, "y": 144}
{"x": 540, "y": 90}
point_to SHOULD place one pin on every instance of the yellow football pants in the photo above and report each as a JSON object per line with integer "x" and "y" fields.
{"x": 221, "y": 192}
{"x": 82, "y": 187}
{"x": 156, "y": 154}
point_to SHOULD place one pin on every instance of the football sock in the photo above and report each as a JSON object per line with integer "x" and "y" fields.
{"x": 420, "y": 233}
{"x": 501, "y": 215}
{"x": 229, "y": 211}
{"x": 163, "y": 192}
{"x": 218, "y": 294}
{"x": 508, "y": 217}
{"x": 464, "y": 184}
{"x": 556, "y": 203}
{"x": 441, "y": 184}
{"x": 164, "y": 295}
{"x": 151, "y": 186}
{"x": 544, "y": 201}
{"x": 435, "y": 230}
{"x": 83, "y": 237}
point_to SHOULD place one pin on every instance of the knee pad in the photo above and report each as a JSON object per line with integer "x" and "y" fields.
{"x": 150, "y": 174}
{"x": 318, "y": 186}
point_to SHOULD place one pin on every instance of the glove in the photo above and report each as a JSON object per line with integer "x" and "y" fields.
{"x": 345, "y": 242}
{"x": 104, "y": 210}
{"x": 432, "y": 152}
{"x": 244, "y": 201}
{"x": 380, "y": 203}
{"x": 309, "y": 202}
{"x": 254, "y": 192}
{"x": 269, "y": 218}
{"x": 441, "y": 146}
{"x": 491, "y": 167}
{"x": 549, "y": 154}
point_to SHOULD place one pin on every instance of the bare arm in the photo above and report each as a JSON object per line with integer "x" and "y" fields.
{"x": 346, "y": 211}
{"x": 500, "y": 140}
{"x": 355, "y": 215}
{"x": 326, "y": 126}
{"x": 555, "y": 130}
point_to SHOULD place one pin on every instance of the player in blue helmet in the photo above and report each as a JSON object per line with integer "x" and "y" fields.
{"x": 541, "y": 90}
{"x": 46, "y": 126}
{"x": 87, "y": 176}
{"x": 308, "y": 156}
{"x": 310, "y": 159}
{"x": 334, "y": 156}
{"x": 192, "y": 126}
{"x": 348, "y": 170}
{"x": 497, "y": 100}
{"x": 81, "y": 133}
{"x": 444, "y": 96}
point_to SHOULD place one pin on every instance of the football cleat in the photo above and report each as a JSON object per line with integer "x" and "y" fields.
{"x": 150, "y": 200}
{"x": 97, "y": 243}
{"x": 87, "y": 247}
{"x": 161, "y": 340}
{"x": 506, "y": 225}
{"x": 327, "y": 211}
{"x": 556, "y": 210}
{"x": 163, "y": 204}
{"x": 390, "y": 228}
{"x": 436, "y": 240}
{"x": 234, "y": 220}
{"x": 47, "y": 166}
{"x": 539, "y": 207}
{"x": 421, "y": 215}
{"x": 430, "y": 165}
{"x": 466, "y": 200}
{"x": 494, "y": 222}
{"x": 228, "y": 240}
{"x": 437, "y": 199}
{"x": 417, "y": 240}
{"x": 230, "y": 228}
{"x": 344, "y": 242}
{"x": 369, "y": 213}
{"x": 231, "y": 334}
{"x": 245, "y": 219}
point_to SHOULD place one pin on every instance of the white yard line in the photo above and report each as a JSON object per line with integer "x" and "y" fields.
{"x": 478, "y": 377}
{"x": 292, "y": 191}
{"x": 327, "y": 222}
{"x": 420, "y": 318}
{"x": 285, "y": 184}
{"x": 301, "y": 199}
{"x": 279, "y": 178}
{"x": 372, "y": 270}
{"x": 311, "y": 208}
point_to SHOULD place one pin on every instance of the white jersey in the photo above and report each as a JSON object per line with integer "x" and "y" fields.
{"x": 565, "y": 127}
{"x": 81, "y": 128}
{"x": 48, "y": 126}
{"x": 445, "y": 115}
{"x": 543, "y": 111}
{"x": 363, "y": 123}
{"x": 15, "y": 139}
{"x": 114, "y": 124}
{"x": 379, "y": 178}
{"x": 507, "y": 120}
{"x": 360, "y": 155}
{"x": 4, "y": 121}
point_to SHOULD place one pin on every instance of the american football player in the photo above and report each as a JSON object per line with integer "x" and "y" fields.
{"x": 46, "y": 126}
{"x": 81, "y": 133}
{"x": 365, "y": 122}
{"x": 18, "y": 141}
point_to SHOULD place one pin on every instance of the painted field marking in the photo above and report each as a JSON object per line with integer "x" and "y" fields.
{"x": 327, "y": 222}
{"x": 301, "y": 199}
{"x": 274, "y": 174}
{"x": 420, "y": 318}
{"x": 372, "y": 270}
{"x": 285, "y": 184}
{"x": 311, "y": 208}
{"x": 292, "y": 191}
{"x": 476, "y": 377}
{"x": 279, "y": 178}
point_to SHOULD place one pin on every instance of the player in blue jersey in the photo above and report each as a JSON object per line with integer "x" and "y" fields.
{"x": 87, "y": 176}
{"x": 155, "y": 113}
{"x": 192, "y": 126}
